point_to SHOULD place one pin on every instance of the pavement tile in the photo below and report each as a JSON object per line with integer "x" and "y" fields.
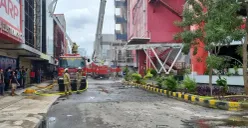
{"x": 24, "y": 111}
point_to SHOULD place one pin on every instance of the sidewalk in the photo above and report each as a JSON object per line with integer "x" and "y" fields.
{"x": 24, "y": 111}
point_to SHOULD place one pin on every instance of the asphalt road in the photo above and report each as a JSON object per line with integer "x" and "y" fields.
{"x": 107, "y": 104}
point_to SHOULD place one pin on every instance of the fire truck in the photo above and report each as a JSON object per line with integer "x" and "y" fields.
{"x": 72, "y": 62}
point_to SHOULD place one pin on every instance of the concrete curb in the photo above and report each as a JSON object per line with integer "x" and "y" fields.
{"x": 195, "y": 99}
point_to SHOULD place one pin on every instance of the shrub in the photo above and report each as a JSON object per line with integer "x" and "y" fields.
{"x": 189, "y": 84}
{"x": 154, "y": 72}
{"x": 128, "y": 77}
{"x": 160, "y": 81}
{"x": 171, "y": 83}
{"x": 204, "y": 90}
{"x": 223, "y": 83}
{"x": 137, "y": 77}
{"x": 148, "y": 74}
{"x": 181, "y": 88}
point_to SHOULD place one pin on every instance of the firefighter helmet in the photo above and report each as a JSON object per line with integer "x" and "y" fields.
{"x": 66, "y": 70}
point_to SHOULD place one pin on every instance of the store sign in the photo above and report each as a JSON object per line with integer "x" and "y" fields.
{"x": 5, "y": 27}
{"x": 44, "y": 56}
{"x": 10, "y": 13}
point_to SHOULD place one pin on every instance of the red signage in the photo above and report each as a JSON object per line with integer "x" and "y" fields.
{"x": 10, "y": 18}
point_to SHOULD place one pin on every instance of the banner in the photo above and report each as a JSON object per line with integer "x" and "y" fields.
{"x": 10, "y": 13}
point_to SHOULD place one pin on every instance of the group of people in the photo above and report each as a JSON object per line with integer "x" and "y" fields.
{"x": 67, "y": 81}
{"x": 11, "y": 79}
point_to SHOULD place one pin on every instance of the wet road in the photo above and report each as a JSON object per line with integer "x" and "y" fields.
{"x": 107, "y": 104}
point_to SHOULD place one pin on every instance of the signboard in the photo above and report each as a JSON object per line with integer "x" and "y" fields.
{"x": 10, "y": 11}
{"x": 10, "y": 30}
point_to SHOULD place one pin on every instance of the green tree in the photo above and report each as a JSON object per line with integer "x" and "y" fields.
{"x": 218, "y": 25}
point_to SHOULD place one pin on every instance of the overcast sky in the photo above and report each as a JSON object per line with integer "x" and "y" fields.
{"x": 81, "y": 18}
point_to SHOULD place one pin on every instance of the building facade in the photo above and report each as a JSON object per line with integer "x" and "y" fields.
{"x": 123, "y": 57}
{"x": 26, "y": 35}
{"x": 59, "y": 36}
{"x": 152, "y": 22}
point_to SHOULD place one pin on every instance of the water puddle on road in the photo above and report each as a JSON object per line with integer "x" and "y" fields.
{"x": 51, "y": 122}
{"x": 237, "y": 121}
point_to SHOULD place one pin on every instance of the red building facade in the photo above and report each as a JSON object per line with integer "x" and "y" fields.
{"x": 153, "y": 19}
{"x": 60, "y": 43}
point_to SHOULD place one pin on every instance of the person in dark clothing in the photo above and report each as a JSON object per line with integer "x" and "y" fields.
{"x": 24, "y": 76}
{"x": 2, "y": 84}
{"x": 38, "y": 76}
{"x": 7, "y": 78}
{"x": 14, "y": 83}
{"x": 18, "y": 75}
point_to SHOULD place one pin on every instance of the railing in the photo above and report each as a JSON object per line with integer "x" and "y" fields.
{"x": 119, "y": 4}
{"x": 121, "y": 37}
{"x": 120, "y": 20}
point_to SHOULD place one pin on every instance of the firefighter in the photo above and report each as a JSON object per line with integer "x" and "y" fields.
{"x": 67, "y": 82}
{"x": 79, "y": 78}
{"x": 75, "y": 48}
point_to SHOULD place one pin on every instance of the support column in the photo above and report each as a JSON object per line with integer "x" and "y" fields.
{"x": 141, "y": 59}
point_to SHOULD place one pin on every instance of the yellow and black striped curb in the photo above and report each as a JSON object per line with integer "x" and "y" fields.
{"x": 195, "y": 99}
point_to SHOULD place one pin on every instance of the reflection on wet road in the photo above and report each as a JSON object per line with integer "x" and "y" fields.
{"x": 108, "y": 104}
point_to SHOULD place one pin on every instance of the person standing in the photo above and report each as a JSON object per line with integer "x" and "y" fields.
{"x": 7, "y": 78}
{"x": 2, "y": 84}
{"x": 14, "y": 83}
{"x": 18, "y": 76}
{"x": 39, "y": 76}
{"x": 79, "y": 78}
{"x": 67, "y": 82}
{"x": 24, "y": 76}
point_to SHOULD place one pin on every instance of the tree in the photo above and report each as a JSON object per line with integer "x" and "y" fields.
{"x": 244, "y": 5}
{"x": 218, "y": 25}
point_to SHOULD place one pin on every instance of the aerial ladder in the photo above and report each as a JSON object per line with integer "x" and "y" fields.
{"x": 97, "y": 53}
{"x": 51, "y": 9}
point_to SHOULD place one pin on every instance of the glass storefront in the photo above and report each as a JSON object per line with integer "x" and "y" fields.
{"x": 6, "y": 62}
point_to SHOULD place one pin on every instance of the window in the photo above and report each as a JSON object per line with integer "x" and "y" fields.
{"x": 71, "y": 62}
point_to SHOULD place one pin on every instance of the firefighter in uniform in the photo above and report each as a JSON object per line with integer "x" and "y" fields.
{"x": 67, "y": 82}
{"x": 75, "y": 48}
{"x": 79, "y": 78}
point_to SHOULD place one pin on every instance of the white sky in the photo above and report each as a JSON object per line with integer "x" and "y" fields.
{"x": 81, "y": 18}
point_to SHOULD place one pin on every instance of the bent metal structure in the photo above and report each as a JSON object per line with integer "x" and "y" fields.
{"x": 150, "y": 50}
{"x": 150, "y": 34}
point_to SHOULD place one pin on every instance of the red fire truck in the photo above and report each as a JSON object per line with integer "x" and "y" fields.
{"x": 72, "y": 62}
{"x": 101, "y": 71}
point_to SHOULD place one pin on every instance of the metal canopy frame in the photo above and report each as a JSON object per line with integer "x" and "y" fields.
{"x": 146, "y": 47}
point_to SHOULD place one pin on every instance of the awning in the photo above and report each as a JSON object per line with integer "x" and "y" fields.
{"x": 28, "y": 52}
{"x": 138, "y": 40}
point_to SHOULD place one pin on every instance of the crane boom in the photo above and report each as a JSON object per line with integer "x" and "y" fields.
{"x": 98, "y": 36}
{"x": 51, "y": 9}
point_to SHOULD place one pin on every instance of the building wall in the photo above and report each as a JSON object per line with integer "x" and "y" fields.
{"x": 137, "y": 18}
{"x": 61, "y": 18}
{"x": 59, "y": 41}
{"x": 161, "y": 22}
{"x": 49, "y": 31}
{"x": 121, "y": 20}
{"x": 154, "y": 21}
{"x": 11, "y": 22}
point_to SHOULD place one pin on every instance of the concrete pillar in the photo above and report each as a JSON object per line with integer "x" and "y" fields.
{"x": 141, "y": 61}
